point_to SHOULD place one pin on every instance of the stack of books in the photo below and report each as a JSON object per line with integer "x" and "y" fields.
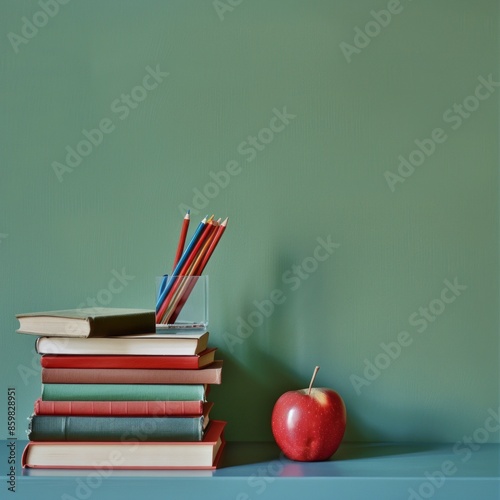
{"x": 116, "y": 392}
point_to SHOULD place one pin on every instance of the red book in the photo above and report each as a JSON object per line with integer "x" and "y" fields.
{"x": 147, "y": 362}
{"x": 119, "y": 408}
{"x": 204, "y": 454}
{"x": 211, "y": 374}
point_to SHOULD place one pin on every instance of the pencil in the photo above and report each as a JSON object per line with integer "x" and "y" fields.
{"x": 199, "y": 269}
{"x": 166, "y": 287}
{"x": 180, "y": 248}
{"x": 189, "y": 275}
{"x": 182, "y": 239}
{"x": 182, "y": 266}
{"x": 183, "y": 277}
{"x": 210, "y": 251}
{"x": 200, "y": 243}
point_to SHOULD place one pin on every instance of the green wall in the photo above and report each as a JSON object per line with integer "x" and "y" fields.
{"x": 408, "y": 248}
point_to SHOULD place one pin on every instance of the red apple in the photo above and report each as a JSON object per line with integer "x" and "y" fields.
{"x": 308, "y": 424}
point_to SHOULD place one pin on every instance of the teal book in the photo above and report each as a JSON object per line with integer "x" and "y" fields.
{"x": 123, "y": 392}
{"x": 71, "y": 428}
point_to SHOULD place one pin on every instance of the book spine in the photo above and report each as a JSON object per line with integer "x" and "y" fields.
{"x": 131, "y": 376}
{"x": 126, "y": 324}
{"x": 118, "y": 408}
{"x": 123, "y": 392}
{"x": 70, "y": 428}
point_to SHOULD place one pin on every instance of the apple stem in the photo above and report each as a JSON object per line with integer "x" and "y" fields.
{"x": 312, "y": 380}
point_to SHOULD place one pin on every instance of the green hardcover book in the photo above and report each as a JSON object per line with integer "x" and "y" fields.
{"x": 71, "y": 428}
{"x": 123, "y": 392}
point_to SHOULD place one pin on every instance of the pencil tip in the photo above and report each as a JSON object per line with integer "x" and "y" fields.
{"x": 224, "y": 222}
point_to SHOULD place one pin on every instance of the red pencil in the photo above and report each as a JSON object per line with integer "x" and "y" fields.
{"x": 182, "y": 239}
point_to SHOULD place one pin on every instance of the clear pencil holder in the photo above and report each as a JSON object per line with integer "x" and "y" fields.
{"x": 181, "y": 302}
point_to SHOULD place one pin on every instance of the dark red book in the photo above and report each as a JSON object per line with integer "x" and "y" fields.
{"x": 211, "y": 374}
{"x": 146, "y": 362}
{"x": 120, "y": 408}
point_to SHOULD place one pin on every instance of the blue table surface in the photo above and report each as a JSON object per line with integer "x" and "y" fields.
{"x": 259, "y": 471}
